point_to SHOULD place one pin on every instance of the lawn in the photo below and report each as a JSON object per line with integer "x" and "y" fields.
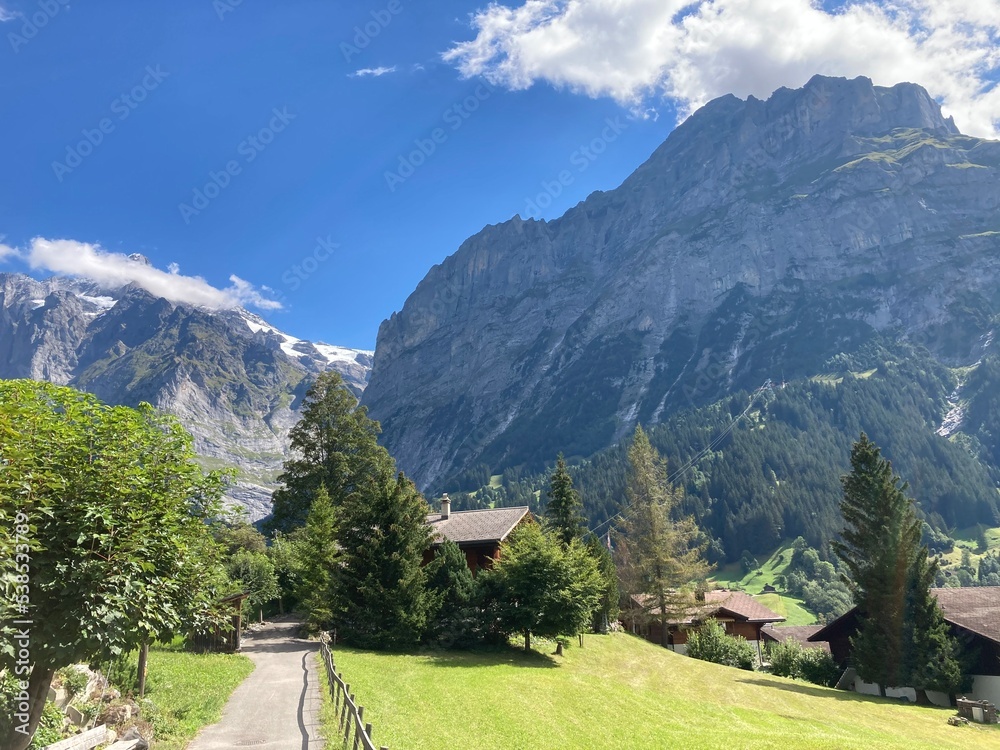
{"x": 622, "y": 692}
{"x": 187, "y": 692}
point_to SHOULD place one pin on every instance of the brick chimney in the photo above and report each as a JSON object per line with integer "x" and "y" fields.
{"x": 445, "y": 506}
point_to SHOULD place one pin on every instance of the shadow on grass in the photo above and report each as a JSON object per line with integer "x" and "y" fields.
{"x": 490, "y": 657}
{"x": 820, "y": 692}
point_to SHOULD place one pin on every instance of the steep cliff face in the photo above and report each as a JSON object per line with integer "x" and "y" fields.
{"x": 232, "y": 379}
{"x": 760, "y": 240}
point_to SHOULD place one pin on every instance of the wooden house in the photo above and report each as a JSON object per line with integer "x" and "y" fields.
{"x": 739, "y": 613}
{"x": 799, "y": 634}
{"x": 478, "y": 533}
{"x": 974, "y": 617}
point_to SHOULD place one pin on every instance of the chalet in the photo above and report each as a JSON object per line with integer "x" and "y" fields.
{"x": 738, "y": 612}
{"x": 974, "y": 617}
{"x": 478, "y": 533}
{"x": 799, "y": 634}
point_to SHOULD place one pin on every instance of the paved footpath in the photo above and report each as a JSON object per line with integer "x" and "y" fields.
{"x": 277, "y": 706}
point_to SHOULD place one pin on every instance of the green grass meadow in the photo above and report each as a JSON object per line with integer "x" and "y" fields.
{"x": 188, "y": 691}
{"x": 622, "y": 692}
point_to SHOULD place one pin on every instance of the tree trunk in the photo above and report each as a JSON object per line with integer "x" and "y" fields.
{"x": 527, "y": 640}
{"x": 143, "y": 657}
{"x": 37, "y": 694}
{"x": 922, "y": 699}
{"x": 664, "y": 634}
{"x": 881, "y": 690}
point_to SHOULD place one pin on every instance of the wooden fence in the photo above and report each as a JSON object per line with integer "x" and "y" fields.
{"x": 350, "y": 716}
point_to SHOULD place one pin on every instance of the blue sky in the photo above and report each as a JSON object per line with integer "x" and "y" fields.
{"x": 322, "y": 176}
{"x": 266, "y": 100}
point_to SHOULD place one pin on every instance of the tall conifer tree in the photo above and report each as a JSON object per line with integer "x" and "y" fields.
{"x": 659, "y": 556}
{"x": 902, "y": 638}
{"x": 564, "y": 512}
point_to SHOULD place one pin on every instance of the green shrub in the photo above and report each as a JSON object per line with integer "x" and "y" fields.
{"x": 817, "y": 666}
{"x": 710, "y": 643}
{"x": 74, "y": 680}
{"x": 50, "y": 727}
{"x": 786, "y": 658}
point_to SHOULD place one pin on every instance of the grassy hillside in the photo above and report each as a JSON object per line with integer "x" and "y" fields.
{"x": 622, "y": 692}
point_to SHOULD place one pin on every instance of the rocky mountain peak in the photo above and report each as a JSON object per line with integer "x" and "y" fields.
{"x": 762, "y": 236}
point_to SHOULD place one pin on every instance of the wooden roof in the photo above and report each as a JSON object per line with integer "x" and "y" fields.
{"x": 492, "y": 525}
{"x": 798, "y": 633}
{"x": 737, "y": 604}
{"x": 976, "y": 609}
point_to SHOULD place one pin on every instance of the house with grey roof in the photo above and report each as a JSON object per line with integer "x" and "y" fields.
{"x": 478, "y": 533}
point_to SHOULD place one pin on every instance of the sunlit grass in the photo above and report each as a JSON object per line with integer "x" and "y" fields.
{"x": 622, "y": 692}
{"x": 186, "y": 692}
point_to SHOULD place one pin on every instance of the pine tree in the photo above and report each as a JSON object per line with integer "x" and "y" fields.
{"x": 317, "y": 562}
{"x": 659, "y": 557}
{"x": 564, "y": 512}
{"x": 932, "y": 654}
{"x": 902, "y": 637}
{"x": 450, "y": 587}
{"x": 609, "y": 605}
{"x": 878, "y": 548}
{"x": 336, "y": 445}
{"x": 381, "y": 600}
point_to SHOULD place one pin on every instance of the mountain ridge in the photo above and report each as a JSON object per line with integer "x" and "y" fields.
{"x": 234, "y": 381}
{"x": 826, "y": 213}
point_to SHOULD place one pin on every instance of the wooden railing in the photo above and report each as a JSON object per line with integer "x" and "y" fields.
{"x": 350, "y": 716}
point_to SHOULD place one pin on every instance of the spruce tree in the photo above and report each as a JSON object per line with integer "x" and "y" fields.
{"x": 450, "y": 588}
{"x": 609, "y": 605}
{"x": 564, "y": 512}
{"x": 902, "y": 637}
{"x": 381, "y": 600}
{"x": 932, "y": 653}
{"x": 659, "y": 556}
{"x": 317, "y": 562}
{"x": 335, "y": 445}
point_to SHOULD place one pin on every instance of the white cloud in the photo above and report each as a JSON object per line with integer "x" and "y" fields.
{"x": 114, "y": 271}
{"x": 373, "y": 72}
{"x": 6, "y": 15}
{"x": 694, "y": 50}
{"x": 6, "y": 251}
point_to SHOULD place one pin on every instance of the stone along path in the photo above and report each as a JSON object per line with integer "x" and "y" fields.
{"x": 277, "y": 706}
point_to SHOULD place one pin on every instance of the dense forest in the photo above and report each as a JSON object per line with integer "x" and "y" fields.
{"x": 762, "y": 467}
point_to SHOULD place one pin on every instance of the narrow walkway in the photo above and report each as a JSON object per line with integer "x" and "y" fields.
{"x": 277, "y": 706}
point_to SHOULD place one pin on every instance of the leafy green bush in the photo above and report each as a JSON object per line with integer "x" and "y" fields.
{"x": 50, "y": 727}
{"x": 817, "y": 666}
{"x": 710, "y": 643}
{"x": 786, "y": 659}
{"x": 74, "y": 680}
